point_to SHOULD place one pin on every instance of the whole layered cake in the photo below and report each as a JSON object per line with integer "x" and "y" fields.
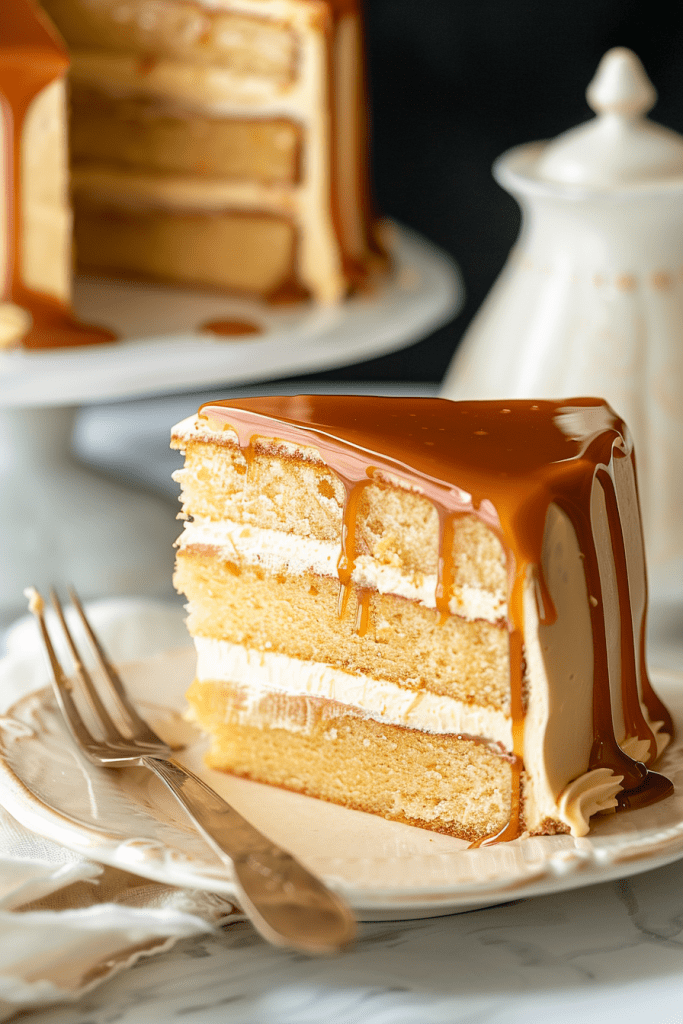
{"x": 432, "y": 611}
{"x": 221, "y": 143}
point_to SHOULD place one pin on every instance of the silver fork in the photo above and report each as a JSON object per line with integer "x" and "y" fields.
{"x": 285, "y": 902}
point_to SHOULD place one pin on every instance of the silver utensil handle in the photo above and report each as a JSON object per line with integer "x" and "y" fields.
{"x": 287, "y": 904}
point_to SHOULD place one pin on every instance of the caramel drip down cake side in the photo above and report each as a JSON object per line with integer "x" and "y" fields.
{"x": 35, "y": 219}
{"x": 353, "y": 619}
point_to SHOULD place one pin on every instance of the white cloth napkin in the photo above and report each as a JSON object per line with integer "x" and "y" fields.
{"x": 66, "y": 923}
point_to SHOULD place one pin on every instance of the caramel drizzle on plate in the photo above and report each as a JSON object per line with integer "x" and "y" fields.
{"x": 229, "y": 328}
{"x": 31, "y": 57}
{"x": 504, "y": 463}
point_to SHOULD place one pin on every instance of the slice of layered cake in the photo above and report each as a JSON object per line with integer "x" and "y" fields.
{"x": 221, "y": 142}
{"x": 433, "y": 611}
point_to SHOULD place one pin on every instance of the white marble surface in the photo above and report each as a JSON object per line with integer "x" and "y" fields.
{"x": 611, "y": 952}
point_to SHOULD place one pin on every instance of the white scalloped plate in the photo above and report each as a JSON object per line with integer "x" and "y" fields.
{"x": 386, "y": 870}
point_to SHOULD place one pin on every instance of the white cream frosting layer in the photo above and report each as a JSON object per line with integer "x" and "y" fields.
{"x": 267, "y": 671}
{"x": 278, "y": 551}
{"x": 206, "y": 89}
{"x": 183, "y": 192}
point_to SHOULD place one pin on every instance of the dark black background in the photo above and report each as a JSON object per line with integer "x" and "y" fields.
{"x": 453, "y": 84}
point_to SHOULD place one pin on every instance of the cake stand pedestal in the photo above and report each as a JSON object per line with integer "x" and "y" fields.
{"x": 62, "y": 522}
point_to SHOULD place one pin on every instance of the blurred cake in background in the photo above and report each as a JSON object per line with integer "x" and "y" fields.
{"x": 221, "y": 143}
{"x": 35, "y": 218}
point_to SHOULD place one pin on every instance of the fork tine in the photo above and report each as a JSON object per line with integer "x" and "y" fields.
{"x": 104, "y": 720}
{"x": 60, "y": 683}
{"x": 141, "y": 731}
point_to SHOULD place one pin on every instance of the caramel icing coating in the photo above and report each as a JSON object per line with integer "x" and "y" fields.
{"x": 505, "y": 462}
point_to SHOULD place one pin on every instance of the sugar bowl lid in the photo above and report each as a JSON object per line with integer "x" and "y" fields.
{"x": 620, "y": 147}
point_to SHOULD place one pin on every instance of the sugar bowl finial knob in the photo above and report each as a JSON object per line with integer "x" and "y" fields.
{"x": 620, "y": 145}
{"x": 621, "y": 86}
{"x": 590, "y": 301}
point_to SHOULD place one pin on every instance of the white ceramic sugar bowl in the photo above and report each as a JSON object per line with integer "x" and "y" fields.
{"x": 591, "y": 299}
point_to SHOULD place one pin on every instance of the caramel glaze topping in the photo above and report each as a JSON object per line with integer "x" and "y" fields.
{"x": 31, "y": 57}
{"x": 504, "y": 463}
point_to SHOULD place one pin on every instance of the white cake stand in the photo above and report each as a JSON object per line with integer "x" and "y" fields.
{"x": 61, "y": 522}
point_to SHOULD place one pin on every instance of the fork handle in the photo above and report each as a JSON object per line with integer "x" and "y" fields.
{"x": 286, "y": 903}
